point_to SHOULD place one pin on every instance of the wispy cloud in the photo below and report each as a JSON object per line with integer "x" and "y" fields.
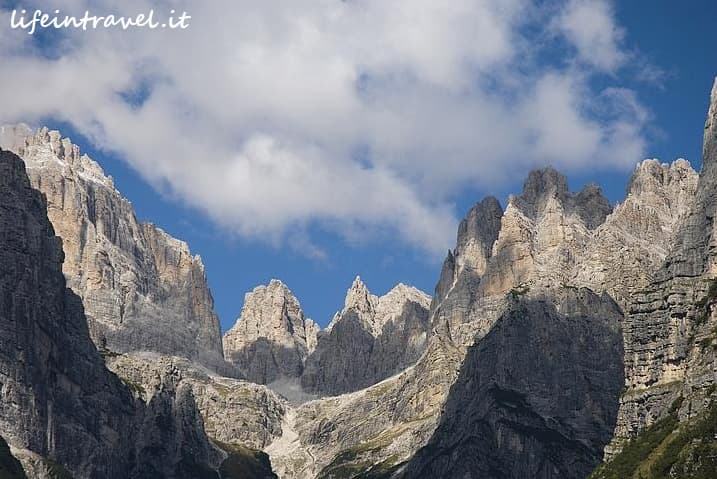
{"x": 255, "y": 113}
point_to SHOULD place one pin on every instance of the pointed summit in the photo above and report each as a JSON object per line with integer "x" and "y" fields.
{"x": 358, "y": 297}
{"x": 547, "y": 186}
{"x": 709, "y": 151}
{"x": 371, "y": 339}
{"x": 272, "y": 338}
{"x": 544, "y": 181}
{"x": 476, "y": 235}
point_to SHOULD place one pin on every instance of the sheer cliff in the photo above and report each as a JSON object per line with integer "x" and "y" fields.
{"x": 670, "y": 336}
{"x": 536, "y": 397}
{"x": 60, "y": 408}
{"x": 142, "y": 290}
{"x": 563, "y": 330}
{"x": 511, "y": 271}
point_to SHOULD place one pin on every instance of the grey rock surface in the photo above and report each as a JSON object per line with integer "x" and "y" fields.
{"x": 234, "y": 412}
{"x": 536, "y": 397}
{"x": 515, "y": 369}
{"x": 272, "y": 338}
{"x": 141, "y": 288}
{"x": 630, "y": 246}
{"x": 550, "y": 241}
{"x": 670, "y": 331}
{"x": 55, "y": 386}
{"x": 10, "y": 467}
{"x": 58, "y": 402}
{"x": 371, "y": 339}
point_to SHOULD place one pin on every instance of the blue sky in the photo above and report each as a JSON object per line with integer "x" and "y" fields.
{"x": 390, "y": 209}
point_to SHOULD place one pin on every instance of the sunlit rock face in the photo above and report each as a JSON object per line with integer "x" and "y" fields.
{"x": 272, "y": 338}
{"x": 141, "y": 288}
{"x": 59, "y": 405}
{"x": 670, "y": 338}
{"x": 561, "y": 327}
{"x": 371, "y": 339}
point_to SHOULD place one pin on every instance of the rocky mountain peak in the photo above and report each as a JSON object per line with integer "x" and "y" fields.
{"x": 591, "y": 205}
{"x": 374, "y": 311}
{"x": 371, "y": 339}
{"x": 359, "y": 298}
{"x": 141, "y": 288}
{"x": 392, "y": 303}
{"x": 710, "y": 141}
{"x": 63, "y": 412}
{"x": 272, "y": 337}
{"x": 547, "y": 190}
{"x": 635, "y": 238}
{"x": 544, "y": 182}
{"x": 476, "y": 235}
{"x": 269, "y": 311}
{"x": 45, "y": 148}
{"x": 651, "y": 176}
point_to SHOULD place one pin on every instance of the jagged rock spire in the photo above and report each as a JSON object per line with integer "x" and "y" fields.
{"x": 371, "y": 339}
{"x": 709, "y": 150}
{"x": 358, "y": 297}
{"x": 272, "y": 337}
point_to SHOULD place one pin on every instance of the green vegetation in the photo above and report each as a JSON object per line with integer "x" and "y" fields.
{"x": 520, "y": 290}
{"x": 135, "y": 388}
{"x": 355, "y": 462}
{"x": 669, "y": 450}
{"x": 10, "y": 468}
{"x": 56, "y": 471}
{"x": 704, "y": 306}
{"x": 637, "y": 451}
{"x": 244, "y": 462}
{"x": 346, "y": 466}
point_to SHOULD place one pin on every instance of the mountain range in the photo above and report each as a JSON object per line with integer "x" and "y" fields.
{"x": 566, "y": 338}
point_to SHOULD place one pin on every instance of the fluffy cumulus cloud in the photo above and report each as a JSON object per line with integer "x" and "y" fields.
{"x": 357, "y": 116}
{"x": 590, "y": 26}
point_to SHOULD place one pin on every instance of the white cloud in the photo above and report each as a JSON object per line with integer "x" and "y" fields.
{"x": 590, "y": 26}
{"x": 358, "y": 116}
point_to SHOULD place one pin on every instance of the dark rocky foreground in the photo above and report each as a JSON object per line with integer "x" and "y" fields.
{"x": 60, "y": 405}
{"x": 536, "y": 397}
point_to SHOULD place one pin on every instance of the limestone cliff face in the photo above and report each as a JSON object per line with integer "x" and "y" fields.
{"x": 371, "y": 339}
{"x": 272, "y": 338}
{"x": 58, "y": 402}
{"x": 141, "y": 288}
{"x": 542, "y": 314}
{"x": 542, "y": 231}
{"x": 630, "y": 246}
{"x": 547, "y": 243}
{"x": 477, "y": 234}
{"x": 670, "y": 337}
{"x": 234, "y": 412}
{"x": 54, "y": 383}
{"x": 550, "y": 236}
{"x": 536, "y": 397}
